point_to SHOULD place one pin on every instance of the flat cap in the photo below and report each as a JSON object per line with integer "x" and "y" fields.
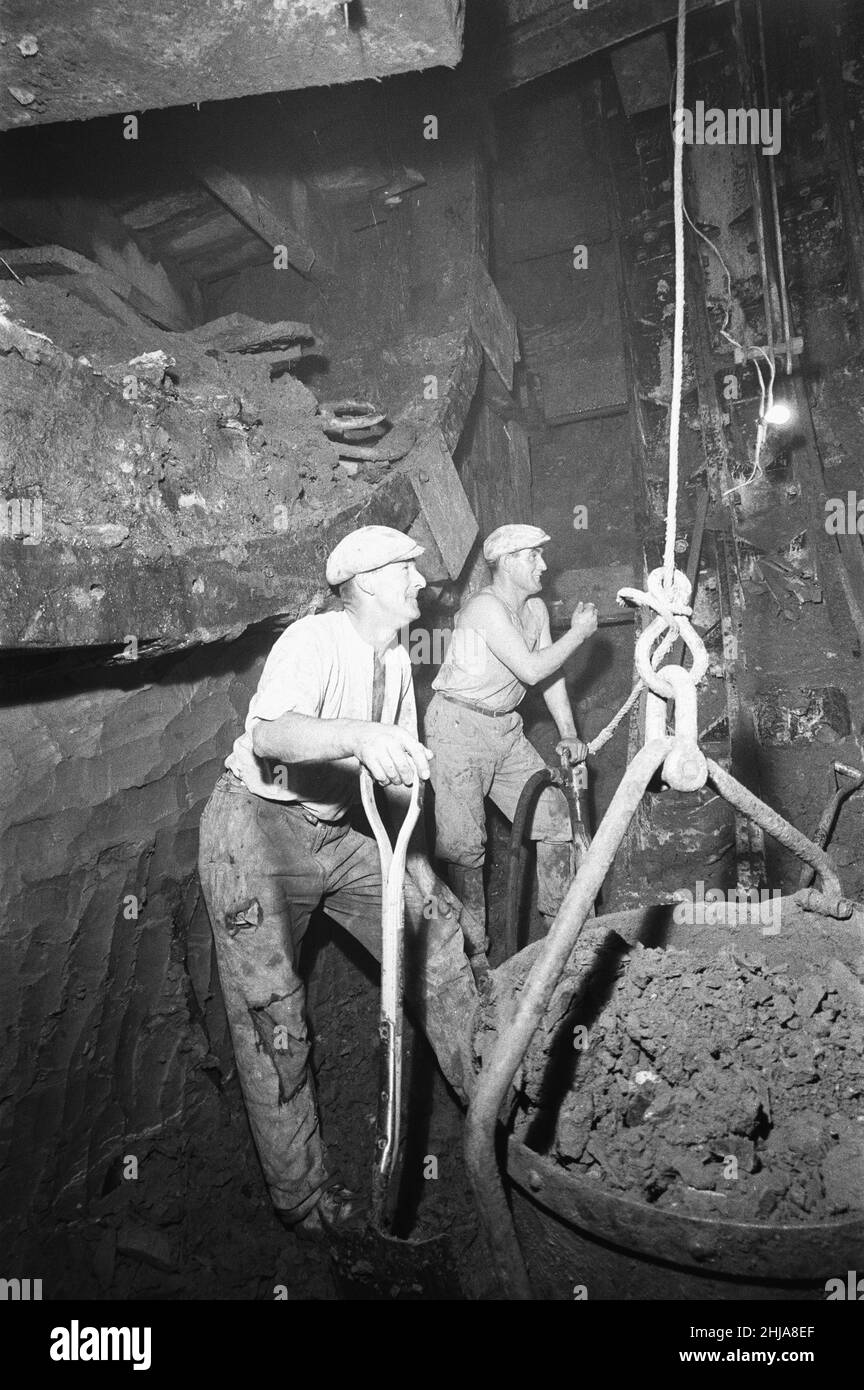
{"x": 508, "y": 539}
{"x": 369, "y": 548}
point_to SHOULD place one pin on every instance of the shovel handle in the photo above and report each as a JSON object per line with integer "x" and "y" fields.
{"x": 389, "y": 1108}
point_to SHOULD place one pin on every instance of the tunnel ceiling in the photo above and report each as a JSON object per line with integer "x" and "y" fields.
{"x": 63, "y": 60}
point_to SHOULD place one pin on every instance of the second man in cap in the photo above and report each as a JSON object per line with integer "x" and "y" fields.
{"x": 502, "y": 644}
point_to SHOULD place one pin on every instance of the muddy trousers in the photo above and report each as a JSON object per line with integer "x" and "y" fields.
{"x": 477, "y": 756}
{"x": 265, "y": 867}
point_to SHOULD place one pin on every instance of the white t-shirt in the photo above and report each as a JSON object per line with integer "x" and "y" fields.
{"x": 321, "y": 666}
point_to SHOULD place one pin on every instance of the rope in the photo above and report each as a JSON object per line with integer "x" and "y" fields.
{"x": 669, "y": 569}
{"x": 678, "y": 339}
{"x": 605, "y": 734}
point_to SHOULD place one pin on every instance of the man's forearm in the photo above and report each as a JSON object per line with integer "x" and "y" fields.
{"x": 548, "y": 660}
{"x": 303, "y": 738}
{"x": 558, "y": 704}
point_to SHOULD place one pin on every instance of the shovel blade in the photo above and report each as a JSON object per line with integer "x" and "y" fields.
{"x": 373, "y": 1266}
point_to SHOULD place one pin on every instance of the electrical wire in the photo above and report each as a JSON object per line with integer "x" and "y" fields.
{"x": 766, "y": 398}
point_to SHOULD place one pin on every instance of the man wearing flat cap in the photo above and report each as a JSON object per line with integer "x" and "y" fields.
{"x": 501, "y": 644}
{"x": 277, "y": 842}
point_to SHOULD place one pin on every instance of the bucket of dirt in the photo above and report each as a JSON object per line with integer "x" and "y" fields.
{"x": 689, "y": 1120}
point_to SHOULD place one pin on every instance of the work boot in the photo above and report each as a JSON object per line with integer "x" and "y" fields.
{"x": 338, "y": 1211}
{"x": 467, "y": 884}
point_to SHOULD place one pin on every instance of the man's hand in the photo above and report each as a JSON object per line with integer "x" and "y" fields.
{"x": 391, "y": 755}
{"x": 573, "y": 745}
{"x": 584, "y": 619}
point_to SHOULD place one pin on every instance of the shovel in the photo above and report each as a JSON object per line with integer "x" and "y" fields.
{"x": 376, "y": 1264}
{"x": 574, "y": 784}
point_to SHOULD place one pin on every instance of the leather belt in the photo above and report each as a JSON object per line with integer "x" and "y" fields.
{"x": 478, "y": 709}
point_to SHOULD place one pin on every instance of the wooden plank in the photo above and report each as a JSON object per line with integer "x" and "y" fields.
{"x": 40, "y": 261}
{"x": 597, "y": 585}
{"x": 255, "y": 212}
{"x": 555, "y": 34}
{"x": 580, "y": 368}
{"x": 459, "y": 393}
{"x": 431, "y": 563}
{"x": 550, "y": 224}
{"x": 78, "y": 276}
{"x": 92, "y": 290}
{"x": 92, "y": 229}
{"x": 212, "y": 232}
{"x": 151, "y": 214}
{"x": 520, "y": 465}
{"x": 494, "y": 323}
{"x": 96, "y": 58}
{"x": 837, "y": 115}
{"x": 241, "y": 333}
{"x": 442, "y": 500}
{"x": 642, "y": 72}
{"x": 229, "y": 261}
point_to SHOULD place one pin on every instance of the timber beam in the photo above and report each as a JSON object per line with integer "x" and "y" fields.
{"x": 537, "y": 38}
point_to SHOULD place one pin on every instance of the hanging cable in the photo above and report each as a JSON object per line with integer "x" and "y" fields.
{"x": 678, "y": 337}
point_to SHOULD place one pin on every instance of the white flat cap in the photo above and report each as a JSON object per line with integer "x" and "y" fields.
{"x": 369, "y": 548}
{"x": 508, "y": 539}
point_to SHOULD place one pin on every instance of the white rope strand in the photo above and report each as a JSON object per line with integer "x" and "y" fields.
{"x": 678, "y": 342}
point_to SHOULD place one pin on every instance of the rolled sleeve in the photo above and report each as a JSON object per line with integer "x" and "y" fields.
{"x": 291, "y": 682}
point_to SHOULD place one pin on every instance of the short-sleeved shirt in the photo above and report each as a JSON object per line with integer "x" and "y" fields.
{"x": 470, "y": 671}
{"x": 322, "y": 667}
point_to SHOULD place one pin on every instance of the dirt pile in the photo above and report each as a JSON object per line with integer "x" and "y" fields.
{"x": 723, "y": 1087}
{"x": 157, "y": 442}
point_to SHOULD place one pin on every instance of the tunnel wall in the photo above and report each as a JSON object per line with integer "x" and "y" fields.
{"x": 104, "y": 789}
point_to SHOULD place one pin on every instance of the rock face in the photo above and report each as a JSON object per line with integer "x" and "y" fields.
{"x": 104, "y": 789}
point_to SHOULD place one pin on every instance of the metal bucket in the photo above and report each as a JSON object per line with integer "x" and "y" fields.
{"x": 581, "y": 1241}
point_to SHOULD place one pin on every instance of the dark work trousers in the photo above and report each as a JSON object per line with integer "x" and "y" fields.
{"x": 477, "y": 755}
{"x": 265, "y": 867}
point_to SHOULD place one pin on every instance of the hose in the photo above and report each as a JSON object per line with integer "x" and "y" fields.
{"x": 544, "y": 777}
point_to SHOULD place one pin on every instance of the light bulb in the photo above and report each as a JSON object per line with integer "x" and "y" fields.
{"x": 777, "y": 414}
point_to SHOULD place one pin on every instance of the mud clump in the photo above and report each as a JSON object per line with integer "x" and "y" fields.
{"x": 722, "y": 1087}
